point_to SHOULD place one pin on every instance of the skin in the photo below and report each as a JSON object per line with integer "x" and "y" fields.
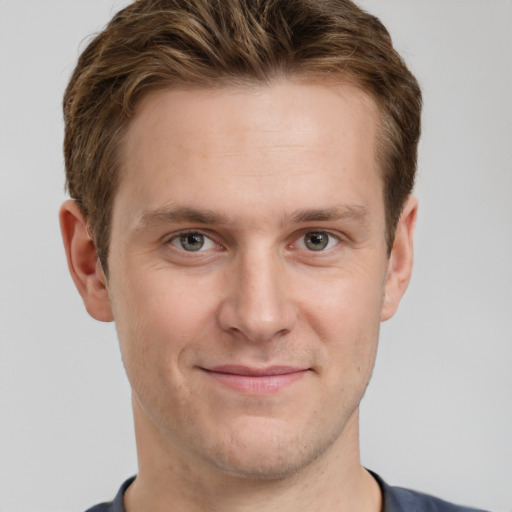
{"x": 263, "y": 174}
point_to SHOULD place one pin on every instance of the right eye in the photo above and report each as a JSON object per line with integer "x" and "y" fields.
{"x": 192, "y": 242}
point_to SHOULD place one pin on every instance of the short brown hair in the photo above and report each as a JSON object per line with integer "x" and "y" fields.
{"x": 213, "y": 43}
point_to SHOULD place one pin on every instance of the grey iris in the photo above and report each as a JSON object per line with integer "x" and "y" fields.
{"x": 316, "y": 241}
{"x": 192, "y": 241}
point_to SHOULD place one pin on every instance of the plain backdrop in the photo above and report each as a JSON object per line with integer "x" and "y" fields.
{"x": 438, "y": 413}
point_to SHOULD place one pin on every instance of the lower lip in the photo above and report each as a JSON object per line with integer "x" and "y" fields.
{"x": 256, "y": 384}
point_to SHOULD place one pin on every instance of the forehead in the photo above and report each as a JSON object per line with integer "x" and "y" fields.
{"x": 265, "y": 146}
{"x": 271, "y": 108}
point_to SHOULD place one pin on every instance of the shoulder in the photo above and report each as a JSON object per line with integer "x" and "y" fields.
{"x": 397, "y": 499}
{"x": 102, "y": 507}
{"x": 117, "y": 504}
{"x": 407, "y": 500}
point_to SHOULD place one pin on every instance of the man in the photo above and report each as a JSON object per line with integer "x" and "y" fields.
{"x": 241, "y": 177}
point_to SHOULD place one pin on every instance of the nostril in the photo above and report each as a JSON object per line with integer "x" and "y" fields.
{"x": 256, "y": 306}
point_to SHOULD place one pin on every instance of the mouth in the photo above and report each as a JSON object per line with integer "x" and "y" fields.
{"x": 256, "y": 381}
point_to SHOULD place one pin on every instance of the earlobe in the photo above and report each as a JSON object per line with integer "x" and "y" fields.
{"x": 400, "y": 260}
{"x": 83, "y": 263}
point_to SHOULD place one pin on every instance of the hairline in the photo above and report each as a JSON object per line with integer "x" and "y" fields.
{"x": 244, "y": 83}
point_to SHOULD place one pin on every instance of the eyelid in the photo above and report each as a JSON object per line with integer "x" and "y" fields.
{"x": 186, "y": 231}
{"x": 306, "y": 231}
{"x": 169, "y": 239}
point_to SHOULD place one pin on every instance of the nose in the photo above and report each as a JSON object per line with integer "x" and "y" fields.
{"x": 257, "y": 305}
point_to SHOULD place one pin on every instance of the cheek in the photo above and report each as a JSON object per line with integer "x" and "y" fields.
{"x": 348, "y": 301}
{"x": 158, "y": 318}
{"x": 344, "y": 313}
{"x": 160, "y": 322}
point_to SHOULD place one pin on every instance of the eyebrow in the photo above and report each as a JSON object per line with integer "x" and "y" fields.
{"x": 173, "y": 214}
{"x": 339, "y": 212}
{"x": 170, "y": 214}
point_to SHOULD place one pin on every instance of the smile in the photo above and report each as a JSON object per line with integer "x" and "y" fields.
{"x": 256, "y": 381}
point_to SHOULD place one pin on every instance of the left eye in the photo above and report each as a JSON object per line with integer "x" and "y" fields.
{"x": 317, "y": 241}
{"x": 192, "y": 242}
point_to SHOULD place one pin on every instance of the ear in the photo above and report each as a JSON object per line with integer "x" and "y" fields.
{"x": 83, "y": 263}
{"x": 400, "y": 260}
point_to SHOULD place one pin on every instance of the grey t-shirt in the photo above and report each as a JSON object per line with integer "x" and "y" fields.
{"x": 394, "y": 499}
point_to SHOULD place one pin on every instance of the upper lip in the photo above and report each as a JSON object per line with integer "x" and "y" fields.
{"x": 254, "y": 371}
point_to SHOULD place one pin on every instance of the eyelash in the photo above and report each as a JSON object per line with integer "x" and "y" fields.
{"x": 182, "y": 234}
{"x": 330, "y": 238}
{"x": 301, "y": 238}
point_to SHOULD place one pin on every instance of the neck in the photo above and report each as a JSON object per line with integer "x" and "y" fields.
{"x": 170, "y": 480}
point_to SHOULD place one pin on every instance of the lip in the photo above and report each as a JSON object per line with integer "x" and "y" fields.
{"x": 256, "y": 381}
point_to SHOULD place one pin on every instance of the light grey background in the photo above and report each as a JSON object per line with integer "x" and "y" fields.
{"x": 438, "y": 414}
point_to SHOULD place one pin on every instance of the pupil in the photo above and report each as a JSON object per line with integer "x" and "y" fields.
{"x": 192, "y": 242}
{"x": 317, "y": 241}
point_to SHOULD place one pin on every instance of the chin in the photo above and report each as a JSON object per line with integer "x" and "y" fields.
{"x": 263, "y": 465}
{"x": 270, "y": 454}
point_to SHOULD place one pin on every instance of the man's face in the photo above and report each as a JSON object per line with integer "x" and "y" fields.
{"x": 248, "y": 271}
